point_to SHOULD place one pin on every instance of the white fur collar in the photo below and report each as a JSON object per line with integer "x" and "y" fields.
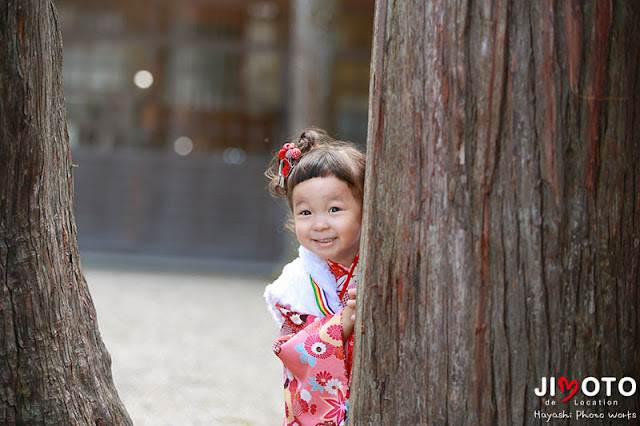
{"x": 293, "y": 287}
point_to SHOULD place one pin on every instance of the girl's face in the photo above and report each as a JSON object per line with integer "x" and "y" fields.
{"x": 327, "y": 218}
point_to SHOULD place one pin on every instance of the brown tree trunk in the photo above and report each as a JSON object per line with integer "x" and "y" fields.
{"x": 501, "y": 237}
{"x": 54, "y": 368}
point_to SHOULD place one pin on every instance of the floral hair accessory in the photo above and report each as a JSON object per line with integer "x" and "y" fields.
{"x": 287, "y": 155}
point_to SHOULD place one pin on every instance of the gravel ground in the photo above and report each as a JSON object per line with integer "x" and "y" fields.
{"x": 189, "y": 346}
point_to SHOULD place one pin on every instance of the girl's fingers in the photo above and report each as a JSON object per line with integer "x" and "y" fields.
{"x": 351, "y": 303}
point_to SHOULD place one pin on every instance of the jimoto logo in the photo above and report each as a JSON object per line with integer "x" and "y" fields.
{"x": 590, "y": 387}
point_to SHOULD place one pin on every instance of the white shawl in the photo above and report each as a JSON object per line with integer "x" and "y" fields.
{"x": 293, "y": 288}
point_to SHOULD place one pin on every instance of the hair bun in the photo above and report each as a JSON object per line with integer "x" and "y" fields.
{"x": 308, "y": 139}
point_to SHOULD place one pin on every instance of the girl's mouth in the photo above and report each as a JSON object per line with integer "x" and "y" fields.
{"x": 325, "y": 240}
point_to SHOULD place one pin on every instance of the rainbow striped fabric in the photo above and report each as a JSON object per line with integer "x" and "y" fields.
{"x": 321, "y": 298}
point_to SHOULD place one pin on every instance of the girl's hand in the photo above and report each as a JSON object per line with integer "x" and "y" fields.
{"x": 349, "y": 315}
{"x": 351, "y": 303}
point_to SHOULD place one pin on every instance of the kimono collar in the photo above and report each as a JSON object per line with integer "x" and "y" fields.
{"x": 339, "y": 271}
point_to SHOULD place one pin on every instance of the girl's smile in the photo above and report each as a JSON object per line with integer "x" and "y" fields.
{"x": 326, "y": 240}
{"x": 325, "y": 243}
{"x": 327, "y": 218}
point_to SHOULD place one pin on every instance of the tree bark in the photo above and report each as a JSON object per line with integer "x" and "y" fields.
{"x": 54, "y": 368}
{"x": 501, "y": 232}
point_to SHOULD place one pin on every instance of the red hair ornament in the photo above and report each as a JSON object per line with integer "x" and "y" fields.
{"x": 287, "y": 155}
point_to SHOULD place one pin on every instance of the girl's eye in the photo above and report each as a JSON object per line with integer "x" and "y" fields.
{"x": 334, "y": 209}
{"x": 305, "y": 213}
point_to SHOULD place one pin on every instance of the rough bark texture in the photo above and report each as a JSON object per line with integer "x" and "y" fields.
{"x": 54, "y": 368}
{"x": 501, "y": 239}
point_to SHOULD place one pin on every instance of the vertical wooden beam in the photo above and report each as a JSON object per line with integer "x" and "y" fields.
{"x": 312, "y": 50}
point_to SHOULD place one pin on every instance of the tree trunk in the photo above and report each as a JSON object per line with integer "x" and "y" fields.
{"x": 312, "y": 50}
{"x": 501, "y": 237}
{"x": 54, "y": 366}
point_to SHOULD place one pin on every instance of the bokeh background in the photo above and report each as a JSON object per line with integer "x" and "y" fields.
{"x": 175, "y": 107}
{"x": 174, "y": 110}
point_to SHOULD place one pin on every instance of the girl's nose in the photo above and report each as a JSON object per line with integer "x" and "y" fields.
{"x": 320, "y": 224}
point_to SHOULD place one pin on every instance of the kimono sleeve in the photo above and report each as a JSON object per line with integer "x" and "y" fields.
{"x": 317, "y": 377}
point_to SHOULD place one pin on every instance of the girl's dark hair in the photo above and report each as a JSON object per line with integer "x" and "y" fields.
{"x": 322, "y": 156}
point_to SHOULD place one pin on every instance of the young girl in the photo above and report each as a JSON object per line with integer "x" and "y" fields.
{"x": 313, "y": 301}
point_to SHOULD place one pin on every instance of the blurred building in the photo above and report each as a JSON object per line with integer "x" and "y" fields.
{"x": 175, "y": 107}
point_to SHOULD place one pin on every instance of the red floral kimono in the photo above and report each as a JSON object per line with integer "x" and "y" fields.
{"x": 317, "y": 362}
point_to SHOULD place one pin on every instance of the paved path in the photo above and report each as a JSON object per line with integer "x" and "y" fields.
{"x": 188, "y": 349}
